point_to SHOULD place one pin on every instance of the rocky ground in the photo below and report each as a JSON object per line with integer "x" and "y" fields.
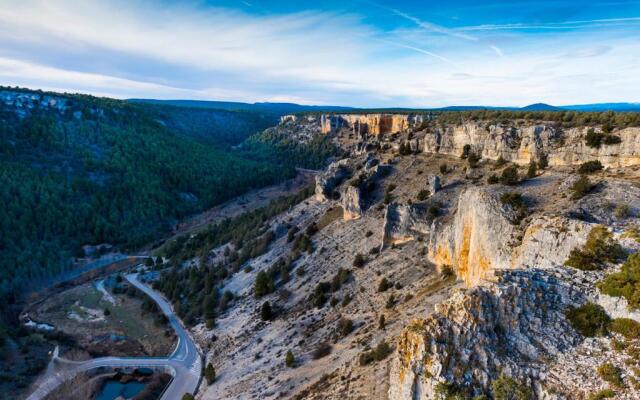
{"x": 474, "y": 286}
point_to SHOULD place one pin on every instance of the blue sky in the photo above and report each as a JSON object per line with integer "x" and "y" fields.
{"x": 348, "y": 52}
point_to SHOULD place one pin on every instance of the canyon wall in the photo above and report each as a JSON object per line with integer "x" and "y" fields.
{"x": 373, "y": 124}
{"x": 522, "y": 144}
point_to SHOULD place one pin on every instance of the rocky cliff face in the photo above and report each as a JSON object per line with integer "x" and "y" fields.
{"x": 333, "y": 176}
{"x": 522, "y": 144}
{"x": 373, "y": 124}
{"x": 509, "y": 327}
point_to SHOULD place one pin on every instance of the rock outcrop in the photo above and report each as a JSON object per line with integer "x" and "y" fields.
{"x": 433, "y": 184}
{"x": 353, "y": 196}
{"x": 479, "y": 239}
{"x": 522, "y": 144}
{"x": 403, "y": 223}
{"x": 333, "y": 176}
{"x": 372, "y": 124}
{"x": 510, "y": 327}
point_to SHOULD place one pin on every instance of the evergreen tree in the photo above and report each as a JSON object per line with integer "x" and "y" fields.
{"x": 210, "y": 374}
{"x": 266, "y": 314}
{"x": 263, "y": 285}
{"x": 290, "y": 360}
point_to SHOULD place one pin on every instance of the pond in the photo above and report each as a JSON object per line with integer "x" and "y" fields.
{"x": 114, "y": 389}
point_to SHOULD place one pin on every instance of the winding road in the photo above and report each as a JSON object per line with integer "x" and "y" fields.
{"x": 185, "y": 363}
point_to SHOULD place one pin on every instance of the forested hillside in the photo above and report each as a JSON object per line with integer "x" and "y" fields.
{"x": 78, "y": 170}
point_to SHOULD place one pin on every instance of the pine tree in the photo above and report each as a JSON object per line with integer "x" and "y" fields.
{"x": 265, "y": 312}
{"x": 264, "y": 284}
{"x": 210, "y": 374}
{"x": 290, "y": 359}
{"x": 382, "y": 322}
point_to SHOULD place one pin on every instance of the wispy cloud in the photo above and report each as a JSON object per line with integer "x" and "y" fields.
{"x": 594, "y": 23}
{"x": 433, "y": 27}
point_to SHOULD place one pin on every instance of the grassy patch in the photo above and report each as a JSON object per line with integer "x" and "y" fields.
{"x": 611, "y": 374}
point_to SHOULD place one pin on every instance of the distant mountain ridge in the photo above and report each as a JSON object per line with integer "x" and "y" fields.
{"x": 291, "y": 108}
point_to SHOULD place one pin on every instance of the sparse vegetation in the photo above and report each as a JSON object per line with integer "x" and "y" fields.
{"x": 266, "y": 313}
{"x": 581, "y": 188}
{"x": 532, "y": 171}
{"x": 322, "y": 350}
{"x": 627, "y": 327}
{"x": 597, "y": 139}
{"x": 600, "y": 248}
{"x": 590, "y": 167}
{"x": 507, "y": 388}
{"x": 359, "y": 261}
{"x": 516, "y": 202}
{"x": 263, "y": 285}
{"x": 423, "y": 195}
{"x": 610, "y": 373}
{"x": 602, "y": 394}
{"x": 625, "y": 283}
{"x": 384, "y": 285}
{"x": 444, "y": 169}
{"x": 381, "y": 352}
{"x": 589, "y": 320}
{"x": 510, "y": 176}
{"x": 345, "y": 326}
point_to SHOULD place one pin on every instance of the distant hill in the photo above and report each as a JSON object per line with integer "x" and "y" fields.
{"x": 540, "y": 107}
{"x": 618, "y": 107}
{"x": 275, "y": 108}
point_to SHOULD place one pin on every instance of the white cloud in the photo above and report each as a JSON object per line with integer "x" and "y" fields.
{"x": 135, "y": 49}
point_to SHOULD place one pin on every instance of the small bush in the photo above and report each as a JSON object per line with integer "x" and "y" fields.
{"x": 444, "y": 169}
{"x": 500, "y": 162}
{"x": 263, "y": 285}
{"x": 323, "y": 350}
{"x": 391, "y": 301}
{"x": 532, "y": 171}
{"x": 447, "y": 272}
{"x": 516, "y": 202}
{"x": 593, "y": 139}
{"x": 423, "y": 195}
{"x": 345, "y": 326}
{"x": 603, "y": 394}
{"x": 384, "y": 285}
{"x": 622, "y": 211}
{"x": 266, "y": 314}
{"x": 382, "y": 322}
{"x": 466, "y": 149}
{"x": 627, "y": 327}
{"x": 611, "y": 374}
{"x": 589, "y": 320}
{"x": 188, "y": 396}
{"x": 510, "y": 176}
{"x": 289, "y": 359}
{"x": 590, "y": 167}
{"x": 381, "y": 352}
{"x": 359, "y": 261}
{"x": 611, "y": 139}
{"x": 581, "y": 188}
{"x": 493, "y": 179}
{"x": 507, "y": 388}
{"x": 625, "y": 283}
{"x": 210, "y": 374}
{"x": 599, "y": 249}
{"x": 543, "y": 161}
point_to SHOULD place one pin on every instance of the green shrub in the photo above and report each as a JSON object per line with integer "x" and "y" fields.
{"x": 510, "y": 176}
{"x": 323, "y": 350}
{"x": 532, "y": 171}
{"x": 444, "y": 169}
{"x": 289, "y": 360}
{"x": 589, "y": 319}
{"x": 507, "y": 388}
{"x": 599, "y": 249}
{"x": 466, "y": 149}
{"x": 627, "y": 327}
{"x": 603, "y": 394}
{"x": 593, "y": 139}
{"x": 500, "y": 162}
{"x": 188, "y": 396}
{"x": 382, "y": 322}
{"x": 263, "y": 285}
{"x": 581, "y": 188}
{"x": 493, "y": 179}
{"x": 210, "y": 374}
{"x": 622, "y": 211}
{"x": 611, "y": 139}
{"x": 543, "y": 161}
{"x": 625, "y": 283}
{"x": 590, "y": 167}
{"x": 448, "y": 391}
{"x": 611, "y": 374}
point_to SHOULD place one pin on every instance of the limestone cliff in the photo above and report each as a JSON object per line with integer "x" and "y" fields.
{"x": 477, "y": 241}
{"x": 524, "y": 143}
{"x": 373, "y": 124}
{"x": 512, "y": 326}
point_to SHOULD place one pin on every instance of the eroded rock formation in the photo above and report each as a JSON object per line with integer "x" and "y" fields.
{"x": 522, "y": 144}
{"x": 333, "y": 176}
{"x": 373, "y": 124}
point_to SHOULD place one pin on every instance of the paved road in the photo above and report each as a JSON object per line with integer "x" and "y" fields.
{"x": 184, "y": 363}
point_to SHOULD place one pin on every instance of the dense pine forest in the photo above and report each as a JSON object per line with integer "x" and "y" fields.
{"x": 78, "y": 170}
